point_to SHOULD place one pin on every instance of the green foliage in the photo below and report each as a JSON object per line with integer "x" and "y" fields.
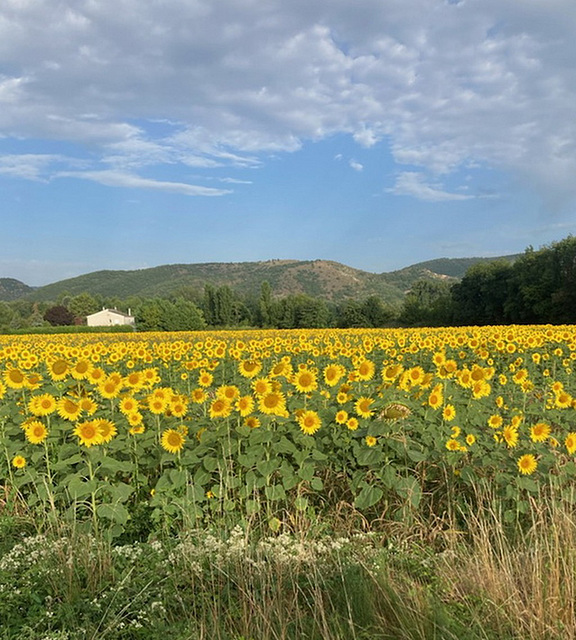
{"x": 230, "y": 585}
{"x": 58, "y": 316}
{"x": 539, "y": 287}
{"x": 12, "y": 289}
{"x": 330, "y": 281}
{"x": 163, "y": 315}
{"x": 427, "y": 304}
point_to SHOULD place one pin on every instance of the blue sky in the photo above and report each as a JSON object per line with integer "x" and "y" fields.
{"x": 377, "y": 133}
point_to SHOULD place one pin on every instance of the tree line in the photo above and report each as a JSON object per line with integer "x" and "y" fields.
{"x": 538, "y": 287}
{"x": 188, "y": 309}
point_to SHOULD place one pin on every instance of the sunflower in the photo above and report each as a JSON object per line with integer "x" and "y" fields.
{"x": 464, "y": 378}
{"x": 436, "y": 397}
{"x": 540, "y": 432}
{"x": 134, "y": 380}
{"x": 470, "y": 439}
{"x": 495, "y": 421}
{"x": 245, "y": 405}
{"x": 333, "y": 373}
{"x": 352, "y": 423}
{"x": 453, "y": 445}
{"x": 510, "y": 435}
{"x": 365, "y": 370}
{"x": 371, "y": 441}
{"x": 305, "y": 381}
{"x": 282, "y": 368}
{"x": 261, "y": 386}
{"x": 220, "y": 408}
{"x": 205, "y": 378}
{"x": 81, "y": 369}
{"x": 563, "y": 400}
{"x": 87, "y": 405}
{"x": 391, "y": 372}
{"x": 439, "y": 358}
{"x": 249, "y": 368}
{"x": 309, "y": 422}
{"x": 150, "y": 376}
{"x": 109, "y": 388}
{"x": 42, "y": 405}
{"x": 15, "y": 379}
{"x": 229, "y": 392}
{"x": 273, "y": 403}
{"x": 135, "y": 418}
{"x": 96, "y": 375}
{"x": 341, "y": 417}
{"x": 178, "y": 406}
{"x": 36, "y": 432}
{"x": 19, "y": 462}
{"x": 449, "y": 412}
{"x": 415, "y": 376}
{"x": 58, "y": 369}
{"x": 68, "y": 409}
{"x": 570, "y": 443}
{"x": 394, "y": 411}
{"x": 198, "y": 395}
{"x": 156, "y": 405}
{"x": 107, "y": 429}
{"x": 455, "y": 431}
{"x": 481, "y": 389}
{"x": 88, "y": 433}
{"x": 137, "y": 429}
{"x": 362, "y": 407}
{"x": 527, "y": 464}
{"x": 447, "y": 369}
{"x": 172, "y": 440}
{"x": 129, "y": 405}
{"x": 252, "y": 421}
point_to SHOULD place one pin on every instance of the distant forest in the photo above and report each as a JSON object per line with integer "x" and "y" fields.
{"x": 537, "y": 288}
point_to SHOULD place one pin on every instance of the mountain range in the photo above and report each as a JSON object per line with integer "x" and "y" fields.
{"x": 323, "y": 279}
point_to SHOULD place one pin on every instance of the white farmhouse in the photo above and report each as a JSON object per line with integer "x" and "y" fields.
{"x": 109, "y": 317}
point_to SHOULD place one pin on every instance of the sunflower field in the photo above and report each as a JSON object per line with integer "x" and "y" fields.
{"x": 104, "y": 429}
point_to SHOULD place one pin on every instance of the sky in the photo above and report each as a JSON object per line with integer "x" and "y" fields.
{"x": 376, "y": 133}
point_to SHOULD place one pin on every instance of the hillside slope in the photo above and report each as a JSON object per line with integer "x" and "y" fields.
{"x": 12, "y": 289}
{"x": 324, "y": 279}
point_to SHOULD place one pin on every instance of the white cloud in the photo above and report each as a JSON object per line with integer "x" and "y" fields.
{"x": 31, "y": 166}
{"x": 411, "y": 183}
{"x": 356, "y": 165}
{"x": 447, "y": 84}
{"x": 112, "y": 178}
{"x": 235, "y": 181}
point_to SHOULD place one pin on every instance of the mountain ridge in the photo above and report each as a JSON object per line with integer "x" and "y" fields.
{"x": 326, "y": 279}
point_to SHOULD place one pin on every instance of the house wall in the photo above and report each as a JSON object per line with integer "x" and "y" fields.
{"x": 106, "y": 318}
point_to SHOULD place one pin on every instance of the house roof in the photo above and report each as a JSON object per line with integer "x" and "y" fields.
{"x": 115, "y": 311}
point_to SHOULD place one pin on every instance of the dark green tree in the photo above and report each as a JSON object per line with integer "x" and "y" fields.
{"x": 480, "y": 298}
{"x": 265, "y": 305}
{"x": 149, "y": 316}
{"x": 377, "y": 314}
{"x": 58, "y": 315}
{"x": 6, "y": 316}
{"x": 83, "y": 305}
{"x": 351, "y": 315}
{"x": 427, "y": 303}
{"x": 209, "y": 305}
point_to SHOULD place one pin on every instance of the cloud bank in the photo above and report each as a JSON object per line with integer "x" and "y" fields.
{"x": 446, "y": 84}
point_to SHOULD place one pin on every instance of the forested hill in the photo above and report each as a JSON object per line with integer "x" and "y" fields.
{"x": 12, "y": 289}
{"x": 322, "y": 279}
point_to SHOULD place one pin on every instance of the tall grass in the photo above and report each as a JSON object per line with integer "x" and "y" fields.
{"x": 522, "y": 577}
{"x": 482, "y": 579}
